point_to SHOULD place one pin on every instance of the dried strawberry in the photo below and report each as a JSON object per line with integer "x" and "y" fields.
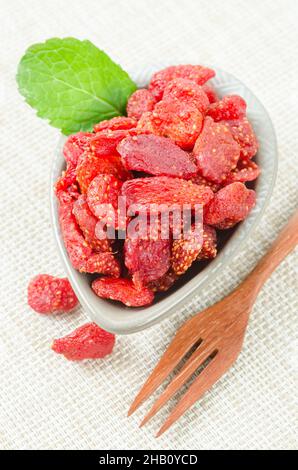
{"x": 246, "y": 170}
{"x": 182, "y": 122}
{"x": 48, "y": 294}
{"x": 147, "y": 260}
{"x": 200, "y": 180}
{"x": 188, "y": 92}
{"x": 75, "y": 145}
{"x": 186, "y": 249}
{"x": 89, "y": 341}
{"x": 244, "y": 135}
{"x": 102, "y": 263}
{"x": 87, "y": 223}
{"x": 230, "y": 205}
{"x": 140, "y": 102}
{"x": 216, "y": 151}
{"x": 230, "y": 107}
{"x": 164, "y": 190}
{"x": 208, "y": 250}
{"x": 67, "y": 179}
{"x": 195, "y": 73}
{"x": 211, "y": 93}
{"x": 123, "y": 290}
{"x": 93, "y": 165}
{"x": 105, "y": 142}
{"x": 102, "y": 197}
{"x": 155, "y": 155}
{"x": 164, "y": 283}
{"x": 115, "y": 124}
{"x": 76, "y": 246}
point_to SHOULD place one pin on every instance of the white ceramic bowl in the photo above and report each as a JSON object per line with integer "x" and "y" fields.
{"x": 115, "y": 317}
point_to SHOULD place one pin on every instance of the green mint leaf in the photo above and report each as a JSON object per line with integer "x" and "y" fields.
{"x": 73, "y": 84}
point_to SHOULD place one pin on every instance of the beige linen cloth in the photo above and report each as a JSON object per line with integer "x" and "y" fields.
{"x": 49, "y": 403}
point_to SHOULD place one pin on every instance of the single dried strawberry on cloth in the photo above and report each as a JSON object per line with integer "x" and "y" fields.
{"x": 123, "y": 290}
{"x": 48, "y": 294}
{"x": 89, "y": 341}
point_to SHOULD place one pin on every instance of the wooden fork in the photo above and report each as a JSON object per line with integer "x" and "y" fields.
{"x": 217, "y": 333}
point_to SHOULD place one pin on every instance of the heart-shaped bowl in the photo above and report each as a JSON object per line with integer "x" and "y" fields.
{"x": 115, "y": 317}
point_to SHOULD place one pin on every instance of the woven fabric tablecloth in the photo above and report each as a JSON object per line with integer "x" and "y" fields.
{"x": 49, "y": 403}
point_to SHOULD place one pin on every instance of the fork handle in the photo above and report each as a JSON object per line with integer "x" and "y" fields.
{"x": 281, "y": 247}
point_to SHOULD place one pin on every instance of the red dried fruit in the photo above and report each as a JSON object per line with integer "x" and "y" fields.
{"x": 187, "y": 91}
{"x": 211, "y": 93}
{"x": 75, "y": 145}
{"x": 244, "y": 135}
{"x": 164, "y": 190}
{"x": 140, "y": 102}
{"x": 195, "y": 73}
{"x": 102, "y": 263}
{"x": 230, "y": 107}
{"x": 230, "y": 205}
{"x": 185, "y": 250}
{"x": 87, "y": 223}
{"x": 208, "y": 250}
{"x": 115, "y": 124}
{"x": 123, "y": 290}
{"x": 67, "y": 179}
{"x": 106, "y": 141}
{"x": 182, "y": 122}
{"x": 164, "y": 283}
{"x": 48, "y": 294}
{"x": 147, "y": 260}
{"x": 76, "y": 246}
{"x": 93, "y": 165}
{"x": 200, "y": 180}
{"x": 246, "y": 170}
{"x": 104, "y": 190}
{"x": 89, "y": 341}
{"x": 216, "y": 151}
{"x": 155, "y": 155}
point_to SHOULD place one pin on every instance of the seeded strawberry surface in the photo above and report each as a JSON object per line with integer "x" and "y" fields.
{"x": 186, "y": 250}
{"x": 156, "y": 156}
{"x": 230, "y": 107}
{"x": 123, "y": 290}
{"x": 48, "y": 294}
{"x": 89, "y": 341}
{"x": 115, "y": 124}
{"x": 181, "y": 122}
{"x": 230, "y": 205}
{"x": 195, "y": 73}
{"x": 165, "y": 190}
{"x": 147, "y": 260}
{"x": 102, "y": 263}
{"x": 140, "y": 102}
{"x": 244, "y": 135}
{"x": 208, "y": 250}
{"x": 87, "y": 223}
{"x": 187, "y": 91}
{"x": 246, "y": 170}
{"x": 216, "y": 151}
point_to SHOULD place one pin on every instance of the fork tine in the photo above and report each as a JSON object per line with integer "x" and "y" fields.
{"x": 193, "y": 363}
{"x": 207, "y": 378}
{"x": 180, "y": 345}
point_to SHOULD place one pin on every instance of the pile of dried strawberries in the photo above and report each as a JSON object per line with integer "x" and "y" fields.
{"x": 179, "y": 144}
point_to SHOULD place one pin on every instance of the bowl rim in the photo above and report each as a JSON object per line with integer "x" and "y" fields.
{"x": 122, "y": 320}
